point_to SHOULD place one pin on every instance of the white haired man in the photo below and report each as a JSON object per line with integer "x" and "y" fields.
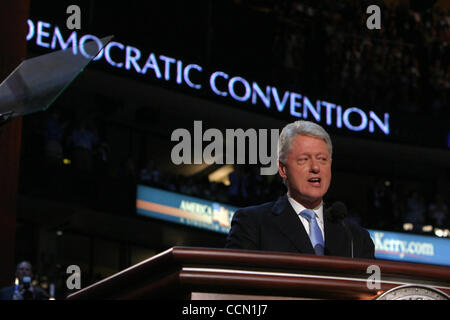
{"x": 297, "y": 221}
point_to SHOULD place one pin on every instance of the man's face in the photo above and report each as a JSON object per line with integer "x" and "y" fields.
{"x": 307, "y": 170}
{"x": 24, "y": 270}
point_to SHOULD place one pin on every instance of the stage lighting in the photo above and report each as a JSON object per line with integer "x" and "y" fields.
{"x": 407, "y": 226}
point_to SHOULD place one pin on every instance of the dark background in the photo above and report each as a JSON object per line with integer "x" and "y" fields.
{"x": 85, "y": 214}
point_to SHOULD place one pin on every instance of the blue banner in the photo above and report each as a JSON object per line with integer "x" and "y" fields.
{"x": 411, "y": 247}
{"x": 179, "y": 208}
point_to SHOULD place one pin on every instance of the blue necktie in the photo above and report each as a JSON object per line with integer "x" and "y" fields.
{"x": 315, "y": 234}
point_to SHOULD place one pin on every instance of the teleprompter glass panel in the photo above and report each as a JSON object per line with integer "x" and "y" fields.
{"x": 36, "y": 83}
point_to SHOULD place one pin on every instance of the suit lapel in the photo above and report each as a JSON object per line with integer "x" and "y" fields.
{"x": 290, "y": 225}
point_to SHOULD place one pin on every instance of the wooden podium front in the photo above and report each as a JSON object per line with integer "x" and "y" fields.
{"x": 204, "y": 273}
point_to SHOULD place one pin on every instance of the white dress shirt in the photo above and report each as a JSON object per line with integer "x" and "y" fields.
{"x": 318, "y": 211}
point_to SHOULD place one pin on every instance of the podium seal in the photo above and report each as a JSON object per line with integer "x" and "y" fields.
{"x": 413, "y": 292}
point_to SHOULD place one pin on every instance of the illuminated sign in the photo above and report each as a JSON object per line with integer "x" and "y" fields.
{"x": 411, "y": 247}
{"x": 178, "y": 208}
{"x": 219, "y": 83}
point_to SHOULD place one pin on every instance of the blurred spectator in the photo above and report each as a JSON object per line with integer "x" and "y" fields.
{"x": 83, "y": 140}
{"x": 397, "y": 210}
{"x": 205, "y": 188}
{"x": 438, "y": 212}
{"x": 354, "y": 216}
{"x": 102, "y": 156}
{"x": 256, "y": 183}
{"x": 415, "y": 211}
{"x": 53, "y": 134}
{"x": 127, "y": 170}
{"x": 189, "y": 187}
{"x": 24, "y": 288}
{"x": 237, "y": 190}
{"x": 171, "y": 183}
{"x": 383, "y": 215}
{"x": 151, "y": 175}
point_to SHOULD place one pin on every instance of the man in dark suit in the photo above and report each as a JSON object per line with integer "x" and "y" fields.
{"x": 298, "y": 222}
{"x": 23, "y": 290}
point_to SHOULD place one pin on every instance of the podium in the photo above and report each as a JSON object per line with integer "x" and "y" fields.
{"x": 216, "y": 274}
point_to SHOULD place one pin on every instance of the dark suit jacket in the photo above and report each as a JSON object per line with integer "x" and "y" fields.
{"x": 274, "y": 226}
{"x": 8, "y": 292}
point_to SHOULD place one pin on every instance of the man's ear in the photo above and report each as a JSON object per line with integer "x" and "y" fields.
{"x": 282, "y": 169}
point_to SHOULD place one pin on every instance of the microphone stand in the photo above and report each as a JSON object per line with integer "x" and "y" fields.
{"x": 347, "y": 229}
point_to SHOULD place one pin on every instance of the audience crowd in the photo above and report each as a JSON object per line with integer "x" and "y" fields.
{"x": 404, "y": 66}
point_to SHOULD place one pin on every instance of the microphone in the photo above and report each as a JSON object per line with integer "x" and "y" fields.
{"x": 338, "y": 211}
{"x": 338, "y": 214}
